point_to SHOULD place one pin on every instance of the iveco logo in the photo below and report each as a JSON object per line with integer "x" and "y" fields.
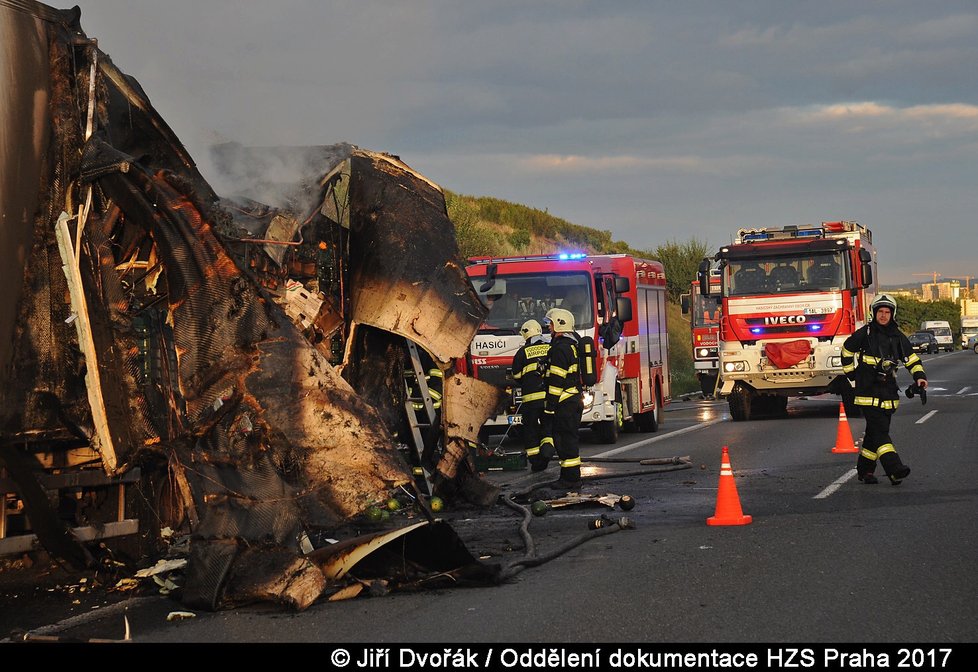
{"x": 490, "y": 345}
{"x": 785, "y": 319}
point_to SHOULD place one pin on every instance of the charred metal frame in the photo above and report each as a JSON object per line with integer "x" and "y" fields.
{"x": 239, "y": 361}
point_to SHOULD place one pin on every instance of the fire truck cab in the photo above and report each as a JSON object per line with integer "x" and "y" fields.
{"x": 790, "y": 297}
{"x": 618, "y": 300}
{"x": 704, "y": 327}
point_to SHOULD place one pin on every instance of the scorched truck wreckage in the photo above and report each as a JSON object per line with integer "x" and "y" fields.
{"x": 223, "y": 367}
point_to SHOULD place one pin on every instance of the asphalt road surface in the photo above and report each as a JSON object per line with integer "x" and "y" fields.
{"x": 825, "y": 558}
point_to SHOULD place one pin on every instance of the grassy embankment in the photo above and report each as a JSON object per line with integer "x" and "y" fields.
{"x": 490, "y": 226}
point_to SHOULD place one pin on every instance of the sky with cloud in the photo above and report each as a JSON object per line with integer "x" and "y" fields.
{"x": 657, "y": 121}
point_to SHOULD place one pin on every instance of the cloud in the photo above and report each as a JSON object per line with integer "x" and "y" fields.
{"x": 572, "y": 163}
{"x": 947, "y": 120}
{"x": 687, "y": 164}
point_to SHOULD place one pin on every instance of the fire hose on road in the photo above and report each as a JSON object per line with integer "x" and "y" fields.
{"x": 600, "y": 527}
{"x": 531, "y": 559}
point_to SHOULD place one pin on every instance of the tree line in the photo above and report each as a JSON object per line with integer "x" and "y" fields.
{"x": 911, "y": 312}
{"x": 488, "y": 226}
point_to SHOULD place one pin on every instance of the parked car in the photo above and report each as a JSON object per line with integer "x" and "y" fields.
{"x": 973, "y": 344}
{"x": 924, "y": 341}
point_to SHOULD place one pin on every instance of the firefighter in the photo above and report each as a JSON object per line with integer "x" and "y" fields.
{"x": 529, "y": 369}
{"x": 434, "y": 379}
{"x": 564, "y": 400}
{"x": 436, "y": 383}
{"x": 870, "y": 357}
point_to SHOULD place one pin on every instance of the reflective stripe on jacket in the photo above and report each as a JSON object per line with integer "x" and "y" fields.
{"x": 529, "y": 366}
{"x": 871, "y": 358}
{"x": 562, "y": 376}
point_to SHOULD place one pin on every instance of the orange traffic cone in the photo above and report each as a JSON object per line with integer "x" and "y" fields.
{"x": 728, "y": 504}
{"x": 843, "y": 438}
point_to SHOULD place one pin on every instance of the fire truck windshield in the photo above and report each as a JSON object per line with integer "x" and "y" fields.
{"x": 706, "y": 312}
{"x": 816, "y": 272}
{"x": 514, "y": 299}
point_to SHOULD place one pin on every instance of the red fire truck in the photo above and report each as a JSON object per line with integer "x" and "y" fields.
{"x": 618, "y": 300}
{"x": 790, "y": 297}
{"x": 704, "y": 326}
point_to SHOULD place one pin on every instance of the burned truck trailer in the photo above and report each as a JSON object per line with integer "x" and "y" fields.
{"x": 219, "y": 366}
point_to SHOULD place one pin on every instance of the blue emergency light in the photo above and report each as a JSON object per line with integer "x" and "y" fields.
{"x": 753, "y": 237}
{"x": 569, "y": 256}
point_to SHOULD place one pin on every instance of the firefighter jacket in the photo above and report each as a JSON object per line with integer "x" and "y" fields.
{"x": 530, "y": 369}
{"x": 563, "y": 379}
{"x": 436, "y": 383}
{"x": 434, "y": 380}
{"x": 871, "y": 356}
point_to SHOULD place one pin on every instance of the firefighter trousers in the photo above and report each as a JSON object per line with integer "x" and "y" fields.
{"x": 877, "y": 444}
{"x": 567, "y": 424}
{"x": 532, "y": 428}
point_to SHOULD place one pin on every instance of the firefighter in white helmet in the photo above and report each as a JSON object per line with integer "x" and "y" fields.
{"x": 564, "y": 401}
{"x": 870, "y": 357}
{"x": 529, "y": 370}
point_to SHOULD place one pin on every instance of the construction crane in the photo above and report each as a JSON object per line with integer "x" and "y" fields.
{"x": 934, "y": 273}
{"x": 967, "y": 284}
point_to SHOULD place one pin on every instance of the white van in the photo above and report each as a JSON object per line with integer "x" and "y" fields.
{"x": 942, "y": 331}
{"x": 969, "y": 328}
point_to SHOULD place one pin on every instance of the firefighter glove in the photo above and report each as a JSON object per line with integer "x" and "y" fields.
{"x": 916, "y": 390}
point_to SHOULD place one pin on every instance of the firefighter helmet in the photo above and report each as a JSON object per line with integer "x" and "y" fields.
{"x": 561, "y": 319}
{"x": 883, "y": 301}
{"x": 530, "y": 329}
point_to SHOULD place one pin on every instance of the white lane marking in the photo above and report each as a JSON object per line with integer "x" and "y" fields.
{"x": 963, "y": 390}
{"x": 926, "y": 417}
{"x": 836, "y": 484}
{"x": 637, "y": 444}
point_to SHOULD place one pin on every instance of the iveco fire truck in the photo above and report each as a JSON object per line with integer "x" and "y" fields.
{"x": 704, "y": 327}
{"x": 790, "y": 297}
{"x": 616, "y": 299}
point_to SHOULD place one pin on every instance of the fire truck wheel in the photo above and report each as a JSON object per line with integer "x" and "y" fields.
{"x": 657, "y": 412}
{"x": 645, "y": 421}
{"x": 650, "y": 420}
{"x": 707, "y": 384}
{"x": 607, "y": 431}
{"x": 740, "y": 402}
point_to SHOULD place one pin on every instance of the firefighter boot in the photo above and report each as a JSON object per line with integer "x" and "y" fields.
{"x": 895, "y": 469}
{"x": 570, "y": 479}
{"x": 864, "y": 470}
{"x": 540, "y": 461}
{"x": 898, "y": 474}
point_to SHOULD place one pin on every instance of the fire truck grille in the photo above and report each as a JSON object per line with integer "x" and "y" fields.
{"x": 788, "y": 375}
{"x": 495, "y": 375}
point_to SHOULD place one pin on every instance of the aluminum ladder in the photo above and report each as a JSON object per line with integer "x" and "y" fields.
{"x": 419, "y": 419}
